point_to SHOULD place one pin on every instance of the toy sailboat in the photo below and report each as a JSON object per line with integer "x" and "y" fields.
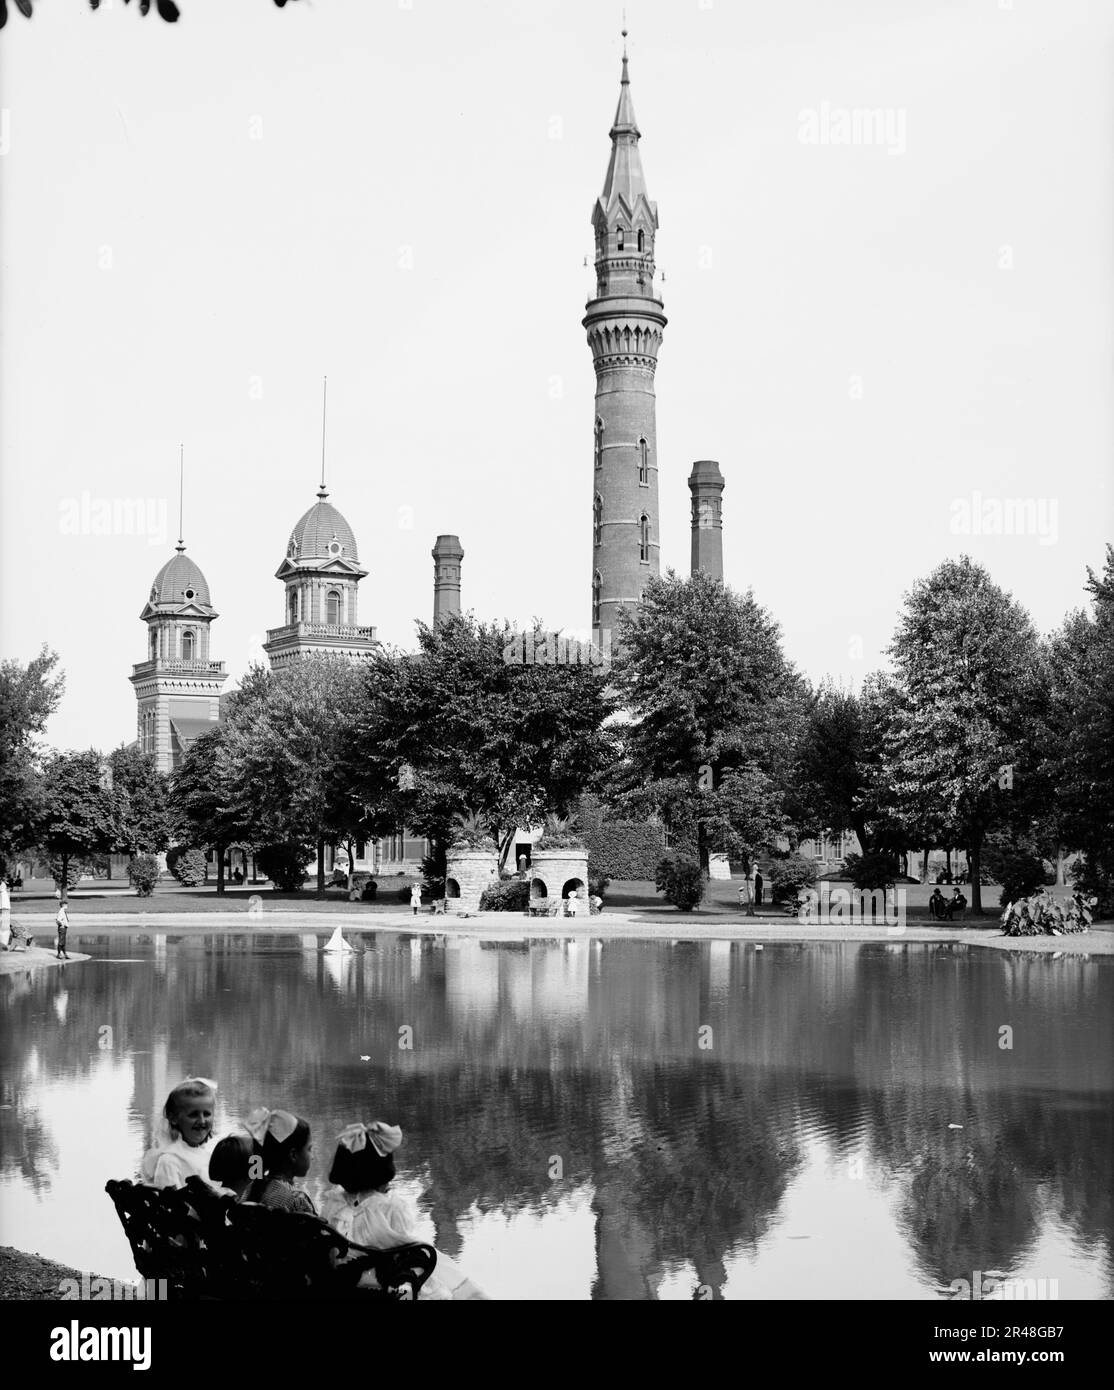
{"x": 336, "y": 942}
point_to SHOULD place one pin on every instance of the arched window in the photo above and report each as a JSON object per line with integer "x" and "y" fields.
{"x": 622, "y": 238}
{"x": 599, "y": 442}
{"x": 597, "y": 584}
{"x": 644, "y": 538}
{"x": 188, "y": 644}
{"x": 332, "y": 606}
{"x": 153, "y": 644}
{"x": 597, "y": 520}
{"x": 291, "y": 605}
{"x": 641, "y": 239}
{"x": 643, "y": 463}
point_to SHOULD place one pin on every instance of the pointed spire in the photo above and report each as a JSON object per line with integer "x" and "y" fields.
{"x": 181, "y": 493}
{"x": 625, "y": 123}
{"x": 321, "y": 493}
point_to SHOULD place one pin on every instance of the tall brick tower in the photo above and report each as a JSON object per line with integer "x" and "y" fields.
{"x": 624, "y": 323}
{"x": 447, "y": 556}
{"x": 706, "y": 487}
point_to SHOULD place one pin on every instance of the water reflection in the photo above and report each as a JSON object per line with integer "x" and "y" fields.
{"x": 607, "y": 1119}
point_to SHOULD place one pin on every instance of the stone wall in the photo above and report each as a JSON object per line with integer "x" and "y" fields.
{"x": 552, "y": 869}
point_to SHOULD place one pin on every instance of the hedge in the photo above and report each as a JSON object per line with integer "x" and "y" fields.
{"x": 623, "y": 849}
{"x": 508, "y": 895}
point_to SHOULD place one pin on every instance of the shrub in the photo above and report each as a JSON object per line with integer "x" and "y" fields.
{"x": 1016, "y": 866}
{"x": 1094, "y": 879}
{"x": 680, "y": 878}
{"x": 508, "y": 895}
{"x": 870, "y": 871}
{"x": 471, "y": 838}
{"x": 788, "y": 876}
{"x": 73, "y": 873}
{"x": 623, "y": 848}
{"x": 285, "y": 864}
{"x": 187, "y": 865}
{"x": 560, "y": 839}
{"x": 143, "y": 874}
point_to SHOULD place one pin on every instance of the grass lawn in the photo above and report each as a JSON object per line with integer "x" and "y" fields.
{"x": 102, "y": 895}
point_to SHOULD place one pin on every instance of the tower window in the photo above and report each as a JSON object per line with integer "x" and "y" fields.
{"x": 153, "y": 644}
{"x": 332, "y": 606}
{"x": 292, "y": 605}
{"x": 189, "y": 643}
{"x": 643, "y": 463}
{"x": 599, "y": 442}
{"x": 641, "y": 239}
{"x": 597, "y": 520}
{"x": 597, "y": 585}
{"x": 644, "y": 538}
{"x": 622, "y": 241}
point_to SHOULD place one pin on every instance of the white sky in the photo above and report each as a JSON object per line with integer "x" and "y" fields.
{"x": 199, "y": 221}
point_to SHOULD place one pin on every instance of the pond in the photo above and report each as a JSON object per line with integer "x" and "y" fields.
{"x": 609, "y": 1119}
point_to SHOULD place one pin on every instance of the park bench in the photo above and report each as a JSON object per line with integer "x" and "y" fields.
{"x": 206, "y": 1245}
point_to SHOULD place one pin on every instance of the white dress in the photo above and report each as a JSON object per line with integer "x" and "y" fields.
{"x": 169, "y": 1165}
{"x": 382, "y": 1220}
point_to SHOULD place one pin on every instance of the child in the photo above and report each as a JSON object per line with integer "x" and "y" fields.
{"x": 285, "y": 1149}
{"x": 184, "y": 1142}
{"x": 231, "y": 1168}
{"x": 364, "y": 1211}
{"x": 62, "y": 922}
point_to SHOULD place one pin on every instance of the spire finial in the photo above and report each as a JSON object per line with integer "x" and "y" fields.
{"x": 181, "y": 491}
{"x": 625, "y": 77}
{"x": 324, "y": 403}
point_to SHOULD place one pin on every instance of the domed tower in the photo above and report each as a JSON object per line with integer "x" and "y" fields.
{"x": 178, "y": 686}
{"x": 624, "y": 323}
{"x": 321, "y": 574}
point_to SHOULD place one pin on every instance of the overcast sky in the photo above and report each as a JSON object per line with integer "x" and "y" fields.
{"x": 877, "y": 324}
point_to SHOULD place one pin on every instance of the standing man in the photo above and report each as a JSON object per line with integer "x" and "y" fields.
{"x": 415, "y": 898}
{"x": 758, "y": 886}
{"x": 5, "y": 912}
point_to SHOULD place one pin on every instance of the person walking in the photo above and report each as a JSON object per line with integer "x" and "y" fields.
{"x": 62, "y": 922}
{"x": 5, "y": 912}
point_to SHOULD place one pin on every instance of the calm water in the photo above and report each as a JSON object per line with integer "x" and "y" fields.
{"x": 606, "y": 1119}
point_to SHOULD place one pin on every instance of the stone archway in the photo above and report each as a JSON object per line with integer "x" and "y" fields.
{"x": 452, "y": 888}
{"x": 538, "y": 890}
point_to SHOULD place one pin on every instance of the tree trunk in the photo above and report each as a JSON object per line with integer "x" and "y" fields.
{"x": 65, "y": 878}
{"x": 927, "y": 852}
{"x": 973, "y": 855}
{"x": 220, "y": 869}
{"x": 320, "y": 866}
{"x": 1060, "y": 879}
{"x": 948, "y": 862}
{"x": 351, "y": 861}
{"x": 504, "y": 847}
{"x": 858, "y": 825}
{"x": 748, "y": 879}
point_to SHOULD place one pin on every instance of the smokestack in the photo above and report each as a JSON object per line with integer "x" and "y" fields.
{"x": 447, "y": 555}
{"x": 706, "y": 486}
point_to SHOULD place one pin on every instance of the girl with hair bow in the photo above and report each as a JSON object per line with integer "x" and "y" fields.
{"x": 361, "y": 1207}
{"x": 183, "y": 1135}
{"x": 285, "y": 1149}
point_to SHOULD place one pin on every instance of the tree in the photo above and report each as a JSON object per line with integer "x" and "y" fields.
{"x": 289, "y": 743}
{"x": 142, "y": 795}
{"x": 462, "y": 731}
{"x": 29, "y": 695}
{"x": 78, "y": 816}
{"x": 714, "y": 712}
{"x": 204, "y": 797}
{"x": 1078, "y": 733}
{"x": 966, "y": 686}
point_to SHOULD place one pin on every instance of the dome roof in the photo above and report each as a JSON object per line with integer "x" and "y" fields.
{"x": 321, "y": 527}
{"x": 180, "y": 582}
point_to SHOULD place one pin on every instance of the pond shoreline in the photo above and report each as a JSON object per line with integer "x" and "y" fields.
{"x": 501, "y": 926}
{"x": 26, "y": 1277}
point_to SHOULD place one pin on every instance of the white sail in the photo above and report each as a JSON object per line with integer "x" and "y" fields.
{"x": 337, "y": 942}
